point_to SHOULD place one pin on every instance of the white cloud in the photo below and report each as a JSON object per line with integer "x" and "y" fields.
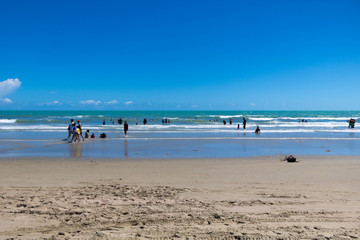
{"x": 128, "y": 102}
{"x": 112, "y": 102}
{"x": 53, "y": 103}
{"x": 90, "y": 102}
{"x": 252, "y": 104}
{"x": 6, "y": 100}
{"x": 8, "y": 86}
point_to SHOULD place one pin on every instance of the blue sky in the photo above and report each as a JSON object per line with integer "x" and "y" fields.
{"x": 231, "y": 55}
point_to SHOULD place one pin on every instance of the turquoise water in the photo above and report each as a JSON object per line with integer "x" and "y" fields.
{"x": 182, "y": 121}
{"x": 187, "y": 134}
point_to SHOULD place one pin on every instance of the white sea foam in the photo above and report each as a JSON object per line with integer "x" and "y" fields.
{"x": 210, "y": 127}
{"x": 311, "y": 131}
{"x": 310, "y": 124}
{"x": 316, "y": 118}
{"x": 171, "y": 118}
{"x": 226, "y": 116}
{"x": 230, "y": 116}
{"x": 7, "y": 120}
{"x": 261, "y": 119}
{"x": 32, "y": 127}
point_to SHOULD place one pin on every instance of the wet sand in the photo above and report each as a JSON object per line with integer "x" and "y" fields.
{"x": 261, "y": 197}
{"x": 179, "y": 147}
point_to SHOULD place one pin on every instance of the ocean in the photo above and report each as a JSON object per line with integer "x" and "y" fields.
{"x": 42, "y": 133}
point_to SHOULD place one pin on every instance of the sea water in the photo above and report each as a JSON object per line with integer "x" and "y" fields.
{"x": 188, "y": 133}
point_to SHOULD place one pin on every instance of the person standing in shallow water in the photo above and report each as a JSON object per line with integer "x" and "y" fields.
{"x": 126, "y": 128}
{"x": 244, "y": 123}
{"x": 351, "y": 123}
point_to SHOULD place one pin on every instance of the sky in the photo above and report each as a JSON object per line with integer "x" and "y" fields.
{"x": 180, "y": 55}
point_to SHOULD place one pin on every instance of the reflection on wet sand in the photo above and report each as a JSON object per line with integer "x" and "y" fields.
{"x": 75, "y": 150}
{"x": 126, "y": 149}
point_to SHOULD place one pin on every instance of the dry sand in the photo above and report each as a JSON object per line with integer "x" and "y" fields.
{"x": 253, "y": 198}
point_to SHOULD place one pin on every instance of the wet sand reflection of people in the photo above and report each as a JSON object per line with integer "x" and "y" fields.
{"x": 126, "y": 149}
{"x": 75, "y": 150}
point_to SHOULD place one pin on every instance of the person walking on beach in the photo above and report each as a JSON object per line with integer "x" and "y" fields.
{"x": 75, "y": 133}
{"x": 244, "y": 123}
{"x": 238, "y": 126}
{"x": 224, "y": 122}
{"x": 80, "y": 128}
{"x": 257, "y": 130}
{"x": 230, "y": 121}
{"x": 145, "y": 121}
{"x": 70, "y": 128}
{"x": 126, "y": 128}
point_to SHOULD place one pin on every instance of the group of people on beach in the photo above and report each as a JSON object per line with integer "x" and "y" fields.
{"x": 165, "y": 121}
{"x": 76, "y": 132}
{"x": 230, "y": 122}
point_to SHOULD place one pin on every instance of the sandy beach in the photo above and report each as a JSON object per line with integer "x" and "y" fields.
{"x": 245, "y": 198}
